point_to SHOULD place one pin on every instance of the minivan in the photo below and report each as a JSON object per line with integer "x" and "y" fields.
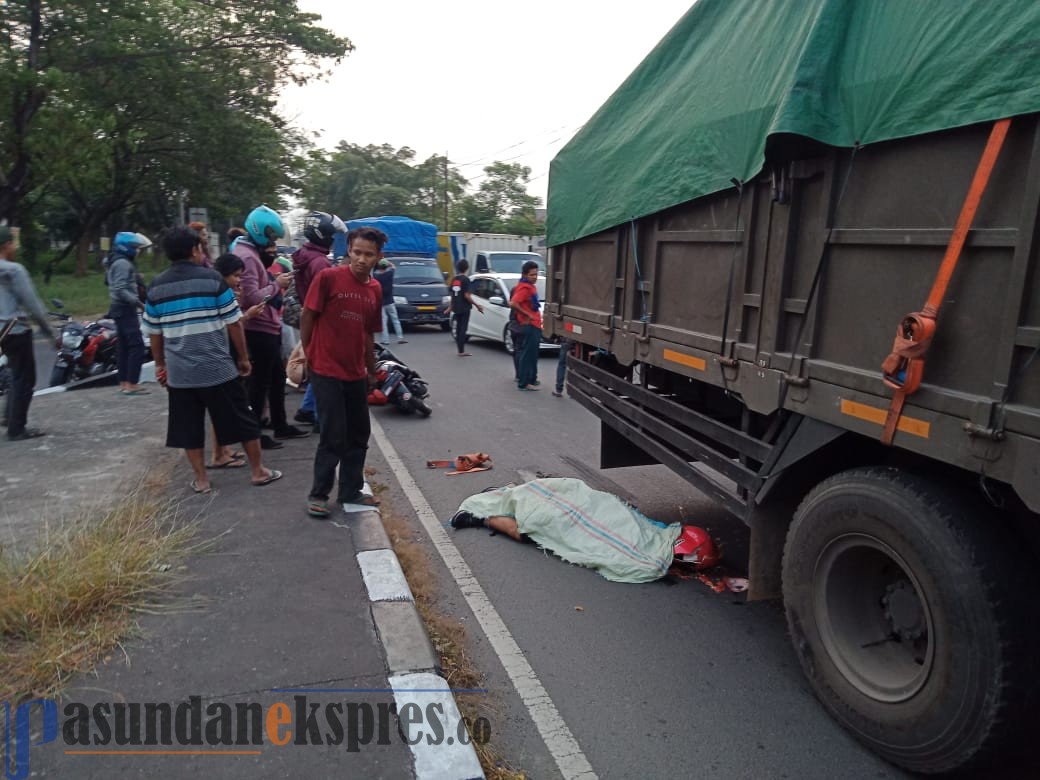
{"x": 420, "y": 292}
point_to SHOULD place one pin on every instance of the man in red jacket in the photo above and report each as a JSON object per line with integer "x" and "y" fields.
{"x": 340, "y": 315}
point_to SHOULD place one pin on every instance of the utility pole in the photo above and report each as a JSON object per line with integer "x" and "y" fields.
{"x": 445, "y": 191}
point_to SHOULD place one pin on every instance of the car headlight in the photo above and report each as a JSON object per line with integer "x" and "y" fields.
{"x": 445, "y": 300}
{"x": 400, "y": 299}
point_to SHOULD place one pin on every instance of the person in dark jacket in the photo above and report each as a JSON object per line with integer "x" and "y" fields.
{"x": 384, "y": 274}
{"x": 125, "y": 302}
{"x": 319, "y": 228}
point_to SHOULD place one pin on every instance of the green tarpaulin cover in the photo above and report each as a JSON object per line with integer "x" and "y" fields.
{"x": 698, "y": 110}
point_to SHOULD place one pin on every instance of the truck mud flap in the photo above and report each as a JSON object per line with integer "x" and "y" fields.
{"x": 695, "y": 446}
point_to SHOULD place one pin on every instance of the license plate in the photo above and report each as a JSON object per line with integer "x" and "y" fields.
{"x": 426, "y": 308}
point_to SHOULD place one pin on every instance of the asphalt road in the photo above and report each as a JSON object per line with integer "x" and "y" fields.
{"x": 661, "y": 680}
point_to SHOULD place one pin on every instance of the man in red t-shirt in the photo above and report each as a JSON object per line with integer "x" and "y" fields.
{"x": 525, "y": 303}
{"x": 342, "y": 311}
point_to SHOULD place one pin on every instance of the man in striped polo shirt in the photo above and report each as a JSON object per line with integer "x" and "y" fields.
{"x": 189, "y": 314}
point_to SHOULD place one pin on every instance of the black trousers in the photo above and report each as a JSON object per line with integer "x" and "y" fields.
{"x": 21, "y": 361}
{"x": 343, "y": 441}
{"x": 267, "y": 381}
{"x": 461, "y": 326}
{"x": 130, "y": 346}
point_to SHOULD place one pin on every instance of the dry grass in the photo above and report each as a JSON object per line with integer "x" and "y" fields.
{"x": 70, "y": 602}
{"x": 448, "y": 636}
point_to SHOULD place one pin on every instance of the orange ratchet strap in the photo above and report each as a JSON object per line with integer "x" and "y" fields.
{"x": 903, "y": 369}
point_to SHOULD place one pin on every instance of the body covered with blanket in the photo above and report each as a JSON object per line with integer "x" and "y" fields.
{"x": 584, "y": 526}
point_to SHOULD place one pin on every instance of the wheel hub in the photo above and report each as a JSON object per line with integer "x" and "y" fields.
{"x": 874, "y": 623}
{"x": 903, "y": 611}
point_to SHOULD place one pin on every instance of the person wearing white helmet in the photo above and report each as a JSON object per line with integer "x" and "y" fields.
{"x": 124, "y": 293}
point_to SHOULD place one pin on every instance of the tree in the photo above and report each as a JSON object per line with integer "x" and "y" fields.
{"x": 501, "y": 203}
{"x": 366, "y": 181}
{"x": 109, "y": 101}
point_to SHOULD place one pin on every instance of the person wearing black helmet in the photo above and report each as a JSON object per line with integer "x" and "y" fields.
{"x": 319, "y": 228}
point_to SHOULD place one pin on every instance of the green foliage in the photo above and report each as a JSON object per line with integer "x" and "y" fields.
{"x": 84, "y": 297}
{"x": 501, "y": 204}
{"x": 111, "y": 111}
{"x": 364, "y": 181}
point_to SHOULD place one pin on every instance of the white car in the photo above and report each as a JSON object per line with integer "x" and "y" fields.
{"x": 492, "y": 291}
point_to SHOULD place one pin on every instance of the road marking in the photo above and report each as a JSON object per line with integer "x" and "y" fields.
{"x": 562, "y": 745}
{"x": 383, "y": 577}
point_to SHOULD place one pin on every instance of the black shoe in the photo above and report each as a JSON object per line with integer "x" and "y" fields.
{"x": 464, "y": 519}
{"x": 291, "y": 432}
{"x": 27, "y": 433}
{"x": 267, "y": 443}
{"x": 307, "y": 418}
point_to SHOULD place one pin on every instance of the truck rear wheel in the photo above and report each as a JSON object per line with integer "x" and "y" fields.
{"x": 899, "y": 601}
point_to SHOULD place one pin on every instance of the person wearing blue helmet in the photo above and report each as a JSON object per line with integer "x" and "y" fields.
{"x": 264, "y": 332}
{"x": 124, "y": 293}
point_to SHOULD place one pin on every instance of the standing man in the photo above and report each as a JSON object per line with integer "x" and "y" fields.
{"x": 525, "y": 303}
{"x": 385, "y": 277}
{"x": 340, "y": 316}
{"x": 461, "y": 305}
{"x": 320, "y": 229}
{"x": 189, "y": 314}
{"x": 124, "y": 302}
{"x": 18, "y": 297}
{"x": 264, "y": 332}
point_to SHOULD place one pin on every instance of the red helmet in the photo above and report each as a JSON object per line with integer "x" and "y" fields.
{"x": 696, "y": 546}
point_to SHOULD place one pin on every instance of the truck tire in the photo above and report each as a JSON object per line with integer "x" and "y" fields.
{"x": 901, "y": 603}
{"x": 445, "y": 326}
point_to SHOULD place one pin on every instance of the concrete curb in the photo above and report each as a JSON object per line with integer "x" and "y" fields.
{"x": 414, "y": 668}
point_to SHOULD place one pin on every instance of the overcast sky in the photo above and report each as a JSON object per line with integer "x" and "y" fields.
{"x": 478, "y": 80}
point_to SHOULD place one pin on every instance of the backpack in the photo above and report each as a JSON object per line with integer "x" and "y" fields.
{"x": 291, "y": 307}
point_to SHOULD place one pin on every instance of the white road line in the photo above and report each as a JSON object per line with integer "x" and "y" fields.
{"x": 383, "y": 577}
{"x": 557, "y": 736}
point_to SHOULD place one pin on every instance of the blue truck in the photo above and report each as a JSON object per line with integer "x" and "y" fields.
{"x": 419, "y": 289}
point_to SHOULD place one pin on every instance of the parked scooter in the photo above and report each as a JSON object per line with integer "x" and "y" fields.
{"x": 400, "y": 386}
{"x": 87, "y": 349}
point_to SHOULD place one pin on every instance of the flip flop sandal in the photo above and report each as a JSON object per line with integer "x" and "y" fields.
{"x": 197, "y": 489}
{"x": 274, "y": 475}
{"x": 317, "y": 508}
{"x": 234, "y": 463}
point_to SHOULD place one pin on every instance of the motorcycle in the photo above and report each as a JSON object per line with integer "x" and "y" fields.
{"x": 399, "y": 385}
{"x": 87, "y": 349}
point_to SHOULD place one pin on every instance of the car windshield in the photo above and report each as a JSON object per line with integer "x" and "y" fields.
{"x": 507, "y": 263}
{"x": 418, "y": 274}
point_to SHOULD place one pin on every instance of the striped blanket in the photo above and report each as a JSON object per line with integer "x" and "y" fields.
{"x": 584, "y": 526}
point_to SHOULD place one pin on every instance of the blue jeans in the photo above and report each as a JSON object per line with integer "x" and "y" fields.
{"x": 561, "y": 364}
{"x": 391, "y": 310}
{"x": 529, "y": 356}
{"x": 130, "y": 344}
{"x": 309, "y": 404}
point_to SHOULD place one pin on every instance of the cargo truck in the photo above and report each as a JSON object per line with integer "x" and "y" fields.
{"x": 478, "y": 248}
{"x": 798, "y": 251}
